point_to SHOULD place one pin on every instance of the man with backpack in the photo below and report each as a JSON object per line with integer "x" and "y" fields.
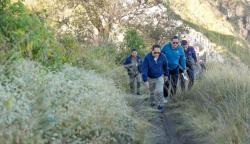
{"x": 154, "y": 66}
{"x": 133, "y": 65}
{"x": 175, "y": 55}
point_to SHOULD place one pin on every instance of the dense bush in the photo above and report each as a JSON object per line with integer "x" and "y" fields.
{"x": 24, "y": 34}
{"x": 67, "y": 106}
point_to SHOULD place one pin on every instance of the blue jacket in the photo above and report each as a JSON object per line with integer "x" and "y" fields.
{"x": 190, "y": 53}
{"x": 153, "y": 69}
{"x": 129, "y": 61}
{"x": 174, "y": 56}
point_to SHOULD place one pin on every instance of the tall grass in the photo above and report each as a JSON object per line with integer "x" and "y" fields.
{"x": 70, "y": 105}
{"x": 219, "y": 105}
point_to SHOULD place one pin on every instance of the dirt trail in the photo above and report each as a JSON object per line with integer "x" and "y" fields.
{"x": 163, "y": 127}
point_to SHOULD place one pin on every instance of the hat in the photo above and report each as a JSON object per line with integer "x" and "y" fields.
{"x": 174, "y": 37}
{"x": 133, "y": 49}
{"x": 184, "y": 42}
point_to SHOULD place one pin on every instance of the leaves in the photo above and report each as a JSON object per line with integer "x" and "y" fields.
{"x": 134, "y": 40}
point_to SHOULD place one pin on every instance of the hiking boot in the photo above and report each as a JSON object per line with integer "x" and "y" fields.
{"x": 160, "y": 108}
{"x": 152, "y": 104}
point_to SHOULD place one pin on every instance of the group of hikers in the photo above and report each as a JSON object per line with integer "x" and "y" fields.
{"x": 161, "y": 69}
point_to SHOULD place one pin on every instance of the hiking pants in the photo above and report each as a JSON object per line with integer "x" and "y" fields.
{"x": 156, "y": 91}
{"x": 190, "y": 73}
{"x": 173, "y": 80}
{"x": 135, "y": 79}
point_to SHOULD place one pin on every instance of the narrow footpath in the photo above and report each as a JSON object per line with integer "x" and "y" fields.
{"x": 164, "y": 127}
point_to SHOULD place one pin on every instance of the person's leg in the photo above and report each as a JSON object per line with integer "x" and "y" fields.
{"x": 132, "y": 84}
{"x": 171, "y": 83}
{"x": 191, "y": 78}
{"x": 159, "y": 92}
{"x": 138, "y": 81}
{"x": 165, "y": 89}
{"x": 174, "y": 81}
{"x": 152, "y": 84}
{"x": 182, "y": 81}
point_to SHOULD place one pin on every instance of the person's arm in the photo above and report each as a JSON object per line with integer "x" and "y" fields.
{"x": 127, "y": 63}
{"x": 139, "y": 64}
{"x": 163, "y": 49}
{"x": 165, "y": 67}
{"x": 194, "y": 55}
{"x": 183, "y": 59}
{"x": 145, "y": 70}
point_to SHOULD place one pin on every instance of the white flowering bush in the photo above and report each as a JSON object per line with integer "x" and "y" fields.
{"x": 70, "y": 105}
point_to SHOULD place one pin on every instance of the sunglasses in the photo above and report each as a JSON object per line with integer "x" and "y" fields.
{"x": 157, "y": 52}
{"x": 175, "y": 42}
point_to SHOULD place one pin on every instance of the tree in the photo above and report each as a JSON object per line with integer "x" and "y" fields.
{"x": 132, "y": 39}
{"x": 3, "y": 4}
{"x": 102, "y": 14}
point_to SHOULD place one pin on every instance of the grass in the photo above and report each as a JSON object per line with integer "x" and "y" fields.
{"x": 70, "y": 105}
{"x": 218, "y": 106}
{"x": 105, "y": 60}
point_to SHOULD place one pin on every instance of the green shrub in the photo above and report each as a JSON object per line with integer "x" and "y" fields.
{"x": 27, "y": 35}
{"x": 70, "y": 49}
{"x": 133, "y": 39}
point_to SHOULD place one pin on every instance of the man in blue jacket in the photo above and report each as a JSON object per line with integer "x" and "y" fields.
{"x": 191, "y": 60}
{"x": 133, "y": 65}
{"x": 154, "y": 66}
{"x": 175, "y": 55}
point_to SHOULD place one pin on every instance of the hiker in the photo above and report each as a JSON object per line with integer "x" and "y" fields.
{"x": 154, "y": 66}
{"x": 191, "y": 60}
{"x": 133, "y": 65}
{"x": 175, "y": 55}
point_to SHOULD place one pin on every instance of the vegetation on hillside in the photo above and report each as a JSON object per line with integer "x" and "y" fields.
{"x": 24, "y": 34}
{"x": 217, "y": 108}
{"x": 68, "y": 87}
{"x": 44, "y": 99}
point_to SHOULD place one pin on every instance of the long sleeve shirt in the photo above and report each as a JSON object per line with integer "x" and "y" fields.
{"x": 154, "y": 68}
{"x": 175, "y": 56}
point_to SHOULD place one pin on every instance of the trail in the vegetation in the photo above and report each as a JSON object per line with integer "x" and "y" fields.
{"x": 164, "y": 127}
